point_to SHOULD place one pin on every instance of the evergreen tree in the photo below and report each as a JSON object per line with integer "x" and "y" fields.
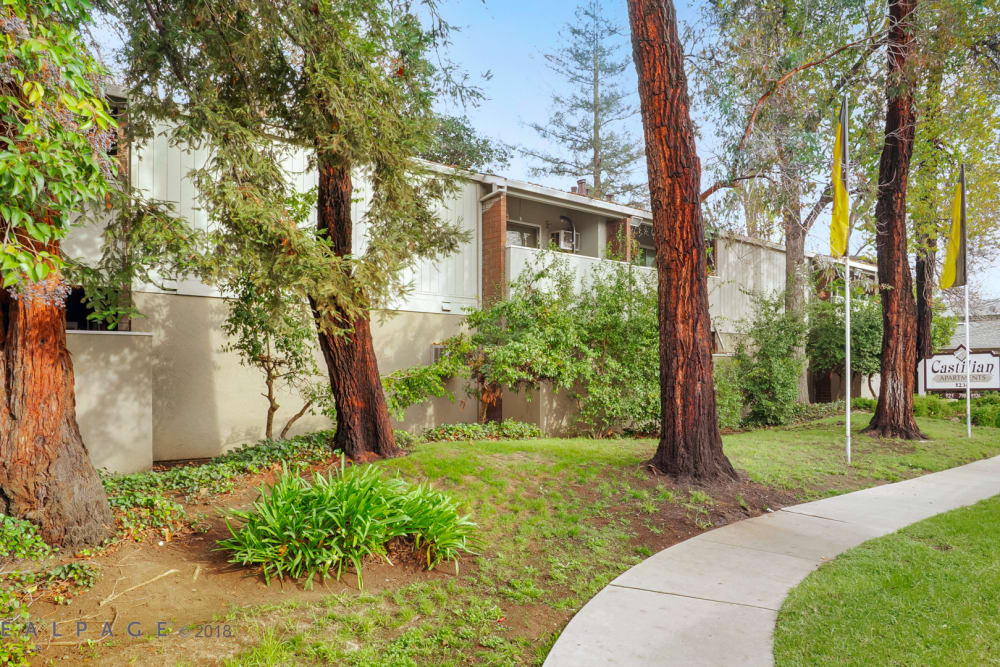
{"x": 586, "y": 124}
{"x": 350, "y": 86}
{"x": 456, "y": 143}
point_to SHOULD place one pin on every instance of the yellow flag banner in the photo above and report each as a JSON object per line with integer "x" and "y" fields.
{"x": 840, "y": 225}
{"x": 953, "y": 274}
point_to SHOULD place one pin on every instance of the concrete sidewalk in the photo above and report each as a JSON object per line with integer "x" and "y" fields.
{"x": 714, "y": 599}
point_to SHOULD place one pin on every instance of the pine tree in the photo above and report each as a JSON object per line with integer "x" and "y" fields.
{"x": 586, "y": 124}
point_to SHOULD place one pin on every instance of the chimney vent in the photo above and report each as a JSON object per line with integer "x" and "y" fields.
{"x": 581, "y": 187}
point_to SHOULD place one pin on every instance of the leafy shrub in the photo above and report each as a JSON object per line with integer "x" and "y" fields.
{"x": 405, "y": 439}
{"x": 221, "y": 473}
{"x": 508, "y": 429}
{"x": 862, "y": 403}
{"x": 299, "y": 528}
{"x": 937, "y": 407}
{"x": 990, "y": 398}
{"x": 19, "y": 540}
{"x": 804, "y": 412}
{"x": 616, "y": 312}
{"x": 825, "y": 339}
{"x": 986, "y": 415}
{"x": 728, "y": 400}
{"x": 768, "y": 365}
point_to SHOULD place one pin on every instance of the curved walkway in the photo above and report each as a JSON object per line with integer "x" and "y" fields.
{"x": 714, "y": 599}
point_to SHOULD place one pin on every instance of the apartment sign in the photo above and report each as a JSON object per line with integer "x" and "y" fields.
{"x": 947, "y": 372}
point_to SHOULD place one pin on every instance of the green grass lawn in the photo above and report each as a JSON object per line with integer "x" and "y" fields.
{"x": 560, "y": 518}
{"x": 927, "y": 595}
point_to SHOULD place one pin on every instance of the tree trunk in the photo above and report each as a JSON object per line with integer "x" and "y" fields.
{"x": 362, "y": 415}
{"x": 690, "y": 443}
{"x": 894, "y": 412}
{"x": 925, "y": 269}
{"x": 795, "y": 258}
{"x": 598, "y": 183}
{"x": 47, "y": 476}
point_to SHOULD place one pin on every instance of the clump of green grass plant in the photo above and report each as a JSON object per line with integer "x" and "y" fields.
{"x": 301, "y": 528}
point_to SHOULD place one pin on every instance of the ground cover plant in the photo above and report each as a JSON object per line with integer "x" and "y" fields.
{"x": 921, "y": 596}
{"x": 22, "y": 583}
{"x": 508, "y": 429}
{"x": 558, "y": 519}
{"x": 302, "y": 528}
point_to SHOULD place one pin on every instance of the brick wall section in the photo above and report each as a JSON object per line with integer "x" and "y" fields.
{"x": 494, "y": 242}
{"x": 620, "y": 238}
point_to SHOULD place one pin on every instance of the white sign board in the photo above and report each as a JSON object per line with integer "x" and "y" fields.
{"x": 947, "y": 372}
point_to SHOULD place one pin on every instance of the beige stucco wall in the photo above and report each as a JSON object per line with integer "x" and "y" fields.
{"x": 404, "y": 339}
{"x": 205, "y": 402}
{"x": 114, "y": 397}
{"x": 554, "y": 412}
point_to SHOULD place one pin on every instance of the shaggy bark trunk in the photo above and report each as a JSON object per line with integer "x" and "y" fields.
{"x": 47, "y": 477}
{"x": 690, "y": 443}
{"x": 795, "y": 257}
{"x": 894, "y": 412}
{"x": 925, "y": 269}
{"x": 362, "y": 415}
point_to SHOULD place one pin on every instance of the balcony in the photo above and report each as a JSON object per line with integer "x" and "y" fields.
{"x": 517, "y": 258}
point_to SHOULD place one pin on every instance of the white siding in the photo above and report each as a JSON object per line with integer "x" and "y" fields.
{"x": 451, "y": 281}
{"x": 160, "y": 171}
{"x": 742, "y": 267}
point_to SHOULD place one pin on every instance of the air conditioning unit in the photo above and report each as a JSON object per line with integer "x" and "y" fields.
{"x": 566, "y": 239}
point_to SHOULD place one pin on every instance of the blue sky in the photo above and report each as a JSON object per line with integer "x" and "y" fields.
{"x": 508, "y": 39}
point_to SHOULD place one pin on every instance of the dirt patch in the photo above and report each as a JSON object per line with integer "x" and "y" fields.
{"x": 690, "y": 514}
{"x": 163, "y": 588}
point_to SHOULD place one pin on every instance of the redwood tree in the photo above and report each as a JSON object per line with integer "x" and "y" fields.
{"x": 690, "y": 442}
{"x": 347, "y": 85}
{"x": 894, "y": 412}
{"x": 55, "y": 128}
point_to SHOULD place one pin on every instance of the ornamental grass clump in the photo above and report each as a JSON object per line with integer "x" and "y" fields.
{"x": 302, "y": 528}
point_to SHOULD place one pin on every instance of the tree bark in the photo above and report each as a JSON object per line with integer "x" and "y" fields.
{"x": 690, "y": 442}
{"x": 925, "y": 270}
{"x": 795, "y": 257}
{"x": 893, "y": 416}
{"x": 363, "y": 424}
{"x": 47, "y": 476}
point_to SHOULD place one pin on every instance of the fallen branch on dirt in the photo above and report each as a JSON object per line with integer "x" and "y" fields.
{"x": 114, "y": 596}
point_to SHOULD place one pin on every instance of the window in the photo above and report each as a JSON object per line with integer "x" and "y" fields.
{"x": 522, "y": 235}
{"x": 77, "y": 311}
{"x": 645, "y": 256}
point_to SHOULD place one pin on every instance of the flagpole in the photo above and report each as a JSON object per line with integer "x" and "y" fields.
{"x": 968, "y": 369}
{"x": 847, "y": 289}
{"x": 847, "y": 347}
